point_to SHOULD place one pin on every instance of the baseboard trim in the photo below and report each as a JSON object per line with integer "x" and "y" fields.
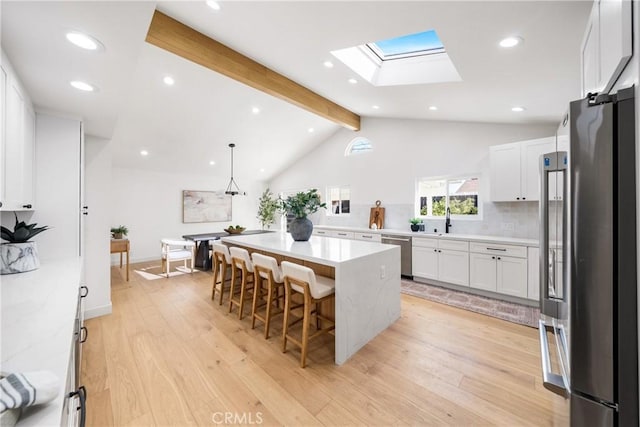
{"x": 97, "y": 311}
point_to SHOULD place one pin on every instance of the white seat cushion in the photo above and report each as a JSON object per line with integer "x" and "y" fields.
{"x": 242, "y": 254}
{"x": 270, "y": 263}
{"x": 320, "y": 286}
{"x": 324, "y": 286}
{"x": 177, "y": 242}
{"x": 220, "y": 248}
{"x": 174, "y": 254}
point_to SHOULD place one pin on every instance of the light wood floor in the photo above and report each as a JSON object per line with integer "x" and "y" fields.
{"x": 168, "y": 355}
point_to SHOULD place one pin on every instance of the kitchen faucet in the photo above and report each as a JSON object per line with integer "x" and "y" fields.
{"x": 447, "y": 221}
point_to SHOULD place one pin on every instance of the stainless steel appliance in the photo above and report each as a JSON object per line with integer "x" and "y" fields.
{"x": 588, "y": 256}
{"x": 404, "y": 242}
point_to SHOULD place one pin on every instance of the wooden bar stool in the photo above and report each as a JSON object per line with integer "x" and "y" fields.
{"x": 221, "y": 269}
{"x": 315, "y": 290}
{"x": 242, "y": 266}
{"x": 266, "y": 269}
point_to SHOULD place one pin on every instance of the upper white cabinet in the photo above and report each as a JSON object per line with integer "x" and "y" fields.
{"x": 514, "y": 172}
{"x": 18, "y": 143}
{"x": 607, "y": 45}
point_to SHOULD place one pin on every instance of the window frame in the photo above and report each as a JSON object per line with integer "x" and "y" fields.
{"x": 349, "y": 150}
{"x": 340, "y": 188}
{"x": 447, "y": 179}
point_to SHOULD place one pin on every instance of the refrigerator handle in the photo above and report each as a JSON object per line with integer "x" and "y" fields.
{"x": 544, "y": 231}
{"x": 551, "y": 381}
{"x": 562, "y": 155}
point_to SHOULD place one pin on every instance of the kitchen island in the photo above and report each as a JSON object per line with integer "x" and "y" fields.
{"x": 367, "y": 278}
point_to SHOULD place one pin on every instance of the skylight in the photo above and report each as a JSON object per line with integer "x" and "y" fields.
{"x": 424, "y": 43}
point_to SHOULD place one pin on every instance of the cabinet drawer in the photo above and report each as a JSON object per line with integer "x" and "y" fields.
{"x": 454, "y": 245}
{"x": 343, "y": 234}
{"x": 370, "y": 237}
{"x": 497, "y": 249}
{"x": 317, "y": 232}
{"x": 421, "y": 242}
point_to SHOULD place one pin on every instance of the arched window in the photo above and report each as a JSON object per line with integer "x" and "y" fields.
{"x": 358, "y": 145}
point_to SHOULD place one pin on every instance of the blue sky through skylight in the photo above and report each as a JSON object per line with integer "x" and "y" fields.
{"x": 412, "y": 43}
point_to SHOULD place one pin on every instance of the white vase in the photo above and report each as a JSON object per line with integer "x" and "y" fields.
{"x": 18, "y": 257}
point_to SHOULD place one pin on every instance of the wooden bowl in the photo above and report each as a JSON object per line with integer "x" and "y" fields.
{"x": 234, "y": 230}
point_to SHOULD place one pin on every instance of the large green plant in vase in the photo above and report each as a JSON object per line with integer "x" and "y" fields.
{"x": 299, "y": 206}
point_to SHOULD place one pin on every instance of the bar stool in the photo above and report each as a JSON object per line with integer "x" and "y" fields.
{"x": 315, "y": 290}
{"x": 266, "y": 269}
{"x": 241, "y": 265}
{"x": 221, "y": 269}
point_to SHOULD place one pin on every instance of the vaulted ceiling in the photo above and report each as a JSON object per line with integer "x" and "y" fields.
{"x": 189, "y": 124}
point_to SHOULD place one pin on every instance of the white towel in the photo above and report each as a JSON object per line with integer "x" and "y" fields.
{"x": 28, "y": 388}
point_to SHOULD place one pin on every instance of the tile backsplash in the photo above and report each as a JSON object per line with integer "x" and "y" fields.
{"x": 518, "y": 219}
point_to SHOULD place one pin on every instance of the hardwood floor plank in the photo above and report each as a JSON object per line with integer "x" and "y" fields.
{"x": 168, "y": 355}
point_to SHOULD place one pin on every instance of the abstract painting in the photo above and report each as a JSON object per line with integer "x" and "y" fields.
{"x": 205, "y": 206}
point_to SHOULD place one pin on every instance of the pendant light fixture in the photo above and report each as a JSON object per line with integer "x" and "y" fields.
{"x": 232, "y": 188}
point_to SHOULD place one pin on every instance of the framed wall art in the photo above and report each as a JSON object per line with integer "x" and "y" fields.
{"x": 205, "y": 206}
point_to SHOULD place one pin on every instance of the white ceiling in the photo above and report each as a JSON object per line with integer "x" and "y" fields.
{"x": 185, "y": 126}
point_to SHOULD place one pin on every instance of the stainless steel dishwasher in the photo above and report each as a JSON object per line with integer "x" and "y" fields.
{"x": 405, "y": 251}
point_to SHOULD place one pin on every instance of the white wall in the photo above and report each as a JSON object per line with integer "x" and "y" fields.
{"x": 97, "y": 224}
{"x": 403, "y": 151}
{"x": 149, "y": 203}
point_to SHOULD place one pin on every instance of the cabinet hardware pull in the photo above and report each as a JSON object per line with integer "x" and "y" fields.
{"x": 499, "y": 258}
{"x": 27, "y": 206}
{"x": 367, "y": 237}
{"x": 86, "y": 291}
{"x": 493, "y": 257}
{"x": 83, "y": 337}
{"x": 82, "y": 395}
{"x": 517, "y": 198}
{"x": 497, "y": 249}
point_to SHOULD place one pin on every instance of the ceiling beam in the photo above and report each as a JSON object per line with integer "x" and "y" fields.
{"x": 173, "y": 36}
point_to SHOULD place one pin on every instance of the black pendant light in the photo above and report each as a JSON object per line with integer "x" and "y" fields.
{"x": 232, "y": 188}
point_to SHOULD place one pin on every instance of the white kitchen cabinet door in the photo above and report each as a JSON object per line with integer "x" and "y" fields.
{"x": 530, "y": 164}
{"x": 424, "y": 262}
{"x": 368, "y": 237}
{"x": 615, "y": 28}
{"x": 3, "y": 127}
{"x": 533, "y": 273}
{"x": 482, "y": 272}
{"x": 512, "y": 276}
{"x": 317, "y": 232}
{"x": 505, "y": 172}
{"x": 453, "y": 267}
{"x": 590, "y": 55}
{"x": 343, "y": 234}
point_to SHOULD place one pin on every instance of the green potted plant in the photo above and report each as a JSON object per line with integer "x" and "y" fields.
{"x": 415, "y": 223}
{"x": 19, "y": 254}
{"x": 299, "y": 206}
{"x": 119, "y": 232}
{"x": 267, "y": 207}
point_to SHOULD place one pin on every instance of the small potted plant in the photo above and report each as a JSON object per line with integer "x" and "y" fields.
{"x": 267, "y": 207}
{"x": 415, "y": 224}
{"x": 119, "y": 232}
{"x": 19, "y": 254}
{"x": 299, "y": 206}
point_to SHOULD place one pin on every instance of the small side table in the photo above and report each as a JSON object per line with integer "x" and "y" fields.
{"x": 120, "y": 246}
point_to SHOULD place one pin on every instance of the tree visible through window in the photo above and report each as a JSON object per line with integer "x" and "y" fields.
{"x": 460, "y": 195}
{"x": 339, "y": 200}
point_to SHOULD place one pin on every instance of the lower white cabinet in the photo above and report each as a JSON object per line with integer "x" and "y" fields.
{"x": 443, "y": 260}
{"x": 499, "y": 268}
{"x": 369, "y": 237}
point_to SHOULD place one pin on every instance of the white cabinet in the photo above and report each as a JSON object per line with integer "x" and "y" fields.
{"x": 443, "y": 260}
{"x": 18, "y": 143}
{"x": 499, "y": 268}
{"x": 368, "y": 237}
{"x": 607, "y": 45}
{"x": 514, "y": 170}
{"x": 343, "y": 234}
{"x": 533, "y": 273}
{"x": 319, "y": 232}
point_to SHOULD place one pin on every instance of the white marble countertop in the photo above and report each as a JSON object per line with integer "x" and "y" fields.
{"x": 38, "y": 316}
{"x": 323, "y": 250}
{"x": 450, "y": 236}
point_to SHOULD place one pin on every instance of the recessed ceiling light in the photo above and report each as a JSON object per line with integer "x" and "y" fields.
{"x": 518, "y": 109}
{"x": 311, "y": 130}
{"x": 511, "y": 41}
{"x": 213, "y": 4}
{"x": 80, "y": 85}
{"x": 375, "y": 107}
{"x": 168, "y": 80}
{"x": 144, "y": 153}
{"x": 84, "y": 41}
{"x": 255, "y": 110}
{"x": 212, "y": 163}
{"x": 433, "y": 108}
{"x": 352, "y": 81}
{"x": 261, "y": 169}
{"x": 328, "y": 64}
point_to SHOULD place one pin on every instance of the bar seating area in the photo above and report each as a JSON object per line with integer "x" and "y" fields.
{"x": 256, "y": 280}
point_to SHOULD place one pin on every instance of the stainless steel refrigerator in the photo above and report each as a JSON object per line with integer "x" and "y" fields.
{"x": 588, "y": 257}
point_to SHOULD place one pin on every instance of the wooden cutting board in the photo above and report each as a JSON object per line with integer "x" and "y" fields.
{"x": 377, "y": 217}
